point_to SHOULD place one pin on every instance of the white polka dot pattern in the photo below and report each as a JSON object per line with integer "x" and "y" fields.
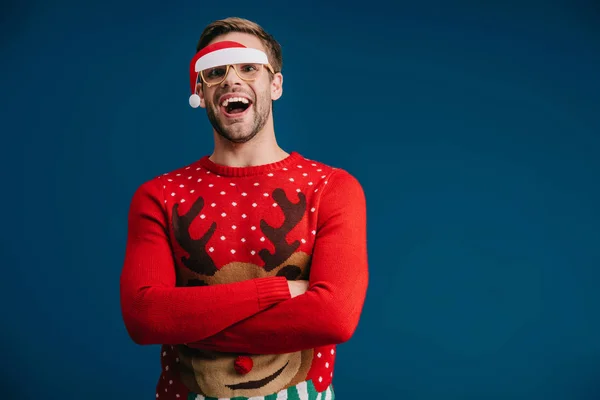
{"x": 244, "y": 207}
{"x": 169, "y": 386}
{"x": 239, "y": 205}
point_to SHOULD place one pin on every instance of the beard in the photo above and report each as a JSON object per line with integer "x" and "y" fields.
{"x": 241, "y": 132}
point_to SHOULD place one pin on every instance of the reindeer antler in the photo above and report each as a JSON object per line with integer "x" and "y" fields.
{"x": 198, "y": 261}
{"x": 293, "y": 213}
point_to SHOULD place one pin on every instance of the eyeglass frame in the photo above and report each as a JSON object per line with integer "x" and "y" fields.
{"x": 269, "y": 67}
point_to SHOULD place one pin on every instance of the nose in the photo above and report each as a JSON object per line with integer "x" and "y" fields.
{"x": 232, "y": 78}
{"x": 243, "y": 364}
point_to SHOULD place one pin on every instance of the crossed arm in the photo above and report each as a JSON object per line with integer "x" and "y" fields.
{"x": 329, "y": 311}
{"x": 155, "y": 310}
{"x": 226, "y": 317}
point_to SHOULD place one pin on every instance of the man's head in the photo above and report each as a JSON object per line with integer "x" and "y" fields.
{"x": 236, "y": 121}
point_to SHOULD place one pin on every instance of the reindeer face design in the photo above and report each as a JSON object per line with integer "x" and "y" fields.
{"x": 212, "y": 373}
{"x": 215, "y": 374}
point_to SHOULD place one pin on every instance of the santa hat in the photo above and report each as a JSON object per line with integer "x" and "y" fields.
{"x": 221, "y": 53}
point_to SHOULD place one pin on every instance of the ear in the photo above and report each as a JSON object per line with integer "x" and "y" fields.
{"x": 277, "y": 86}
{"x": 201, "y": 95}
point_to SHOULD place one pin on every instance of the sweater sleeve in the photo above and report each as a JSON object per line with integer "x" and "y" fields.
{"x": 154, "y": 309}
{"x": 328, "y": 313}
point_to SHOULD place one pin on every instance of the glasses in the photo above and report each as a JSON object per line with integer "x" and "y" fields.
{"x": 246, "y": 72}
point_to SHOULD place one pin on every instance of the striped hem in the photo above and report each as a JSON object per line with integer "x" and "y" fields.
{"x": 302, "y": 391}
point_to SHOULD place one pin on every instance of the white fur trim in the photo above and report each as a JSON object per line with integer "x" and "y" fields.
{"x": 235, "y": 55}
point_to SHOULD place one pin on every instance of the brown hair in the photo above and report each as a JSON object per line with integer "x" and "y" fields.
{"x": 236, "y": 24}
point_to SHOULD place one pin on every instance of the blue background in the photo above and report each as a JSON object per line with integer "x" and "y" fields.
{"x": 474, "y": 129}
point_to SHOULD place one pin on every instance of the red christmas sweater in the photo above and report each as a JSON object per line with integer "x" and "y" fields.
{"x": 209, "y": 251}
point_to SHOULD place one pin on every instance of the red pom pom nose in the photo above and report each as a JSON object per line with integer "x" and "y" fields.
{"x": 243, "y": 364}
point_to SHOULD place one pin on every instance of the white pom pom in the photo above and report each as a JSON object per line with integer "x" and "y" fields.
{"x": 195, "y": 101}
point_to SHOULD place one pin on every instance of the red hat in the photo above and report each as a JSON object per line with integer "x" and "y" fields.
{"x": 221, "y": 53}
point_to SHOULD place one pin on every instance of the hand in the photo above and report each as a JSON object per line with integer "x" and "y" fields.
{"x": 297, "y": 287}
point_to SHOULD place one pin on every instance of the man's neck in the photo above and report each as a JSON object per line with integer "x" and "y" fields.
{"x": 262, "y": 149}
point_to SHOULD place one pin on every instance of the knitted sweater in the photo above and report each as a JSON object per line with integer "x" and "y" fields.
{"x": 209, "y": 251}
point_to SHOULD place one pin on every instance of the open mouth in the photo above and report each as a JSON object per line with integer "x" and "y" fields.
{"x": 259, "y": 383}
{"x": 235, "y": 107}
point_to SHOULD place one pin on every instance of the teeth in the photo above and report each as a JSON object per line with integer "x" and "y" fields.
{"x": 234, "y": 99}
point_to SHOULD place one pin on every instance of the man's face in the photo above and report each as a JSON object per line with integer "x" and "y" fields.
{"x": 244, "y": 123}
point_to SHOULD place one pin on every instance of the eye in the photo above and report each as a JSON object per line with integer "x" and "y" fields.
{"x": 250, "y": 68}
{"x": 215, "y": 72}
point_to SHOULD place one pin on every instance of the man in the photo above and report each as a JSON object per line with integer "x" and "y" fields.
{"x": 247, "y": 266}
